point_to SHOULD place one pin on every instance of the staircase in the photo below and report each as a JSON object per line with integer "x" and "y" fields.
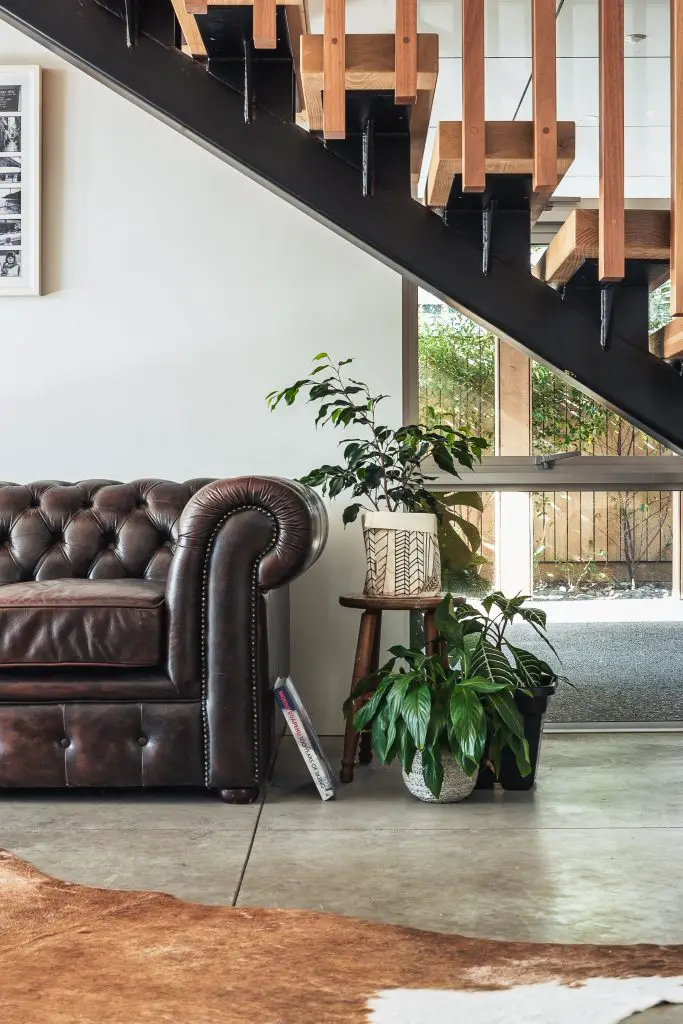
{"x": 337, "y": 125}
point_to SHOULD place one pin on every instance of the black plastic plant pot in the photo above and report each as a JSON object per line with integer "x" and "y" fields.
{"x": 533, "y": 709}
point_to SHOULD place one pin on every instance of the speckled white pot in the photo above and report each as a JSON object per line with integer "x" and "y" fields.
{"x": 456, "y": 785}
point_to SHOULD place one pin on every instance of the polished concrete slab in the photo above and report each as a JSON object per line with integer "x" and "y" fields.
{"x": 593, "y": 855}
{"x": 585, "y": 781}
{"x": 203, "y": 867}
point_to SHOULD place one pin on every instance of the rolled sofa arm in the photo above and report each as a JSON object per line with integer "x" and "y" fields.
{"x": 237, "y": 539}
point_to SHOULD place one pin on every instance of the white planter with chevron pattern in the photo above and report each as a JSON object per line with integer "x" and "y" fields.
{"x": 402, "y": 554}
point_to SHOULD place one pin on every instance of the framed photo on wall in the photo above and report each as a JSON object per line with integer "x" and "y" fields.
{"x": 19, "y": 180}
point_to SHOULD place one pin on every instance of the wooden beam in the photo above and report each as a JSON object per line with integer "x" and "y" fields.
{"x": 676, "y": 157}
{"x": 193, "y": 42}
{"x": 334, "y": 67}
{"x": 265, "y": 19}
{"x": 611, "y": 255}
{"x": 667, "y": 342}
{"x": 473, "y": 108}
{"x": 513, "y": 510}
{"x": 544, "y": 91}
{"x": 369, "y": 67}
{"x": 509, "y": 149}
{"x": 646, "y": 237}
{"x": 406, "y": 51}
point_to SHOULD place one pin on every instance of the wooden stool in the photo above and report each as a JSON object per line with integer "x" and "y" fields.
{"x": 367, "y": 658}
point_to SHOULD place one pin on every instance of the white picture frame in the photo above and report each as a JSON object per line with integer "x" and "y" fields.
{"x": 19, "y": 180}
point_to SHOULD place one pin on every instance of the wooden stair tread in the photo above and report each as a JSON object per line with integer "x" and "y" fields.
{"x": 647, "y": 238}
{"x": 509, "y": 150}
{"x": 369, "y": 67}
{"x": 667, "y": 342}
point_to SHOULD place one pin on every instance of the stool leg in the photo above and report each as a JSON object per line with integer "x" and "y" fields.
{"x": 365, "y": 747}
{"x": 361, "y": 667}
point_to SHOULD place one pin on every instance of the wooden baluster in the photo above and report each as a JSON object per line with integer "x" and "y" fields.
{"x": 334, "y": 70}
{"x": 265, "y": 21}
{"x": 405, "y": 89}
{"x": 473, "y": 110}
{"x": 611, "y": 258}
{"x": 676, "y": 243}
{"x": 544, "y": 89}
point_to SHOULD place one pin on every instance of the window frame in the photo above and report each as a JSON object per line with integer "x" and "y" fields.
{"x": 524, "y": 473}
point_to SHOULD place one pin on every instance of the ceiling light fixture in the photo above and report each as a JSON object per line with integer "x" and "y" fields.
{"x": 636, "y": 37}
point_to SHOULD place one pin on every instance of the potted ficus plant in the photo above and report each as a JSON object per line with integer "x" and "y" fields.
{"x": 451, "y": 712}
{"x": 384, "y": 471}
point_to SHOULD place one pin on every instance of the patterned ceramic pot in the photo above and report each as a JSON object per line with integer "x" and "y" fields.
{"x": 402, "y": 554}
{"x": 456, "y": 785}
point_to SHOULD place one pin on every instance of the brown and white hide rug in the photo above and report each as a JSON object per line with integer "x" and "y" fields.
{"x": 75, "y": 955}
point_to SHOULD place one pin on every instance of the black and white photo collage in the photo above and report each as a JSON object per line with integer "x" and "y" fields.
{"x": 10, "y": 181}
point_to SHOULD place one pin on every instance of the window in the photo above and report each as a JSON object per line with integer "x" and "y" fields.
{"x": 584, "y": 540}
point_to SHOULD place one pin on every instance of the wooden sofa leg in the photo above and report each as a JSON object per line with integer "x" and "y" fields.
{"x": 239, "y": 796}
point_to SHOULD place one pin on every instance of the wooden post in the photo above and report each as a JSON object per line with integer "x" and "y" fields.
{"x": 513, "y": 509}
{"x": 611, "y": 259}
{"x": 265, "y": 21}
{"x": 405, "y": 90}
{"x": 544, "y": 89}
{"x": 676, "y": 258}
{"x": 473, "y": 97}
{"x": 334, "y": 69}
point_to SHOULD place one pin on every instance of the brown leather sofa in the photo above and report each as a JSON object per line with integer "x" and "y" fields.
{"x": 141, "y": 628}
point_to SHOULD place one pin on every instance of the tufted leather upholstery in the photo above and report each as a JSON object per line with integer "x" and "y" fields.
{"x": 212, "y": 550}
{"x": 94, "y": 529}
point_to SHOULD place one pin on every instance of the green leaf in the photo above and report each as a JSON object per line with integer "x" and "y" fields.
{"x": 505, "y": 708}
{"x": 481, "y": 685}
{"x": 366, "y": 713}
{"x": 470, "y": 498}
{"x": 468, "y": 722}
{"x": 416, "y": 711}
{"x": 432, "y": 770}
{"x": 396, "y": 694}
{"x": 380, "y": 734}
{"x": 520, "y": 749}
{"x": 444, "y": 460}
{"x": 469, "y": 529}
{"x": 320, "y": 355}
{"x": 528, "y": 666}
{"x": 490, "y": 662}
{"x": 406, "y": 748}
{"x": 350, "y": 513}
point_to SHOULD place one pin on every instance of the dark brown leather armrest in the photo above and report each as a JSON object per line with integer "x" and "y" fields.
{"x": 237, "y": 539}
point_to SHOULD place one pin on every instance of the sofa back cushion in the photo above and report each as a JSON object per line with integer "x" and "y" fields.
{"x": 93, "y": 529}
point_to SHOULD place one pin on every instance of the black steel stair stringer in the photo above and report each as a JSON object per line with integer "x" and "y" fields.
{"x": 390, "y": 225}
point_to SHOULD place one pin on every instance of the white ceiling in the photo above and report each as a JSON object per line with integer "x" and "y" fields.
{"x": 508, "y": 68}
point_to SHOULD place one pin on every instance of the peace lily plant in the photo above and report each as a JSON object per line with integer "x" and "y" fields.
{"x": 385, "y": 472}
{"x": 457, "y": 703}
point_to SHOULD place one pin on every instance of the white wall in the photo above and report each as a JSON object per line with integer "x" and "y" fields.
{"x": 178, "y": 293}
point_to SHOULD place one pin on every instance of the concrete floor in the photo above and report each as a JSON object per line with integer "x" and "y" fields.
{"x": 594, "y": 855}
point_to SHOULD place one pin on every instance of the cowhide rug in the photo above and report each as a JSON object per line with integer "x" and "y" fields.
{"x": 75, "y": 955}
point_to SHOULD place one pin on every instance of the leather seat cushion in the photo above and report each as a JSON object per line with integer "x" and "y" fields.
{"x": 108, "y": 623}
